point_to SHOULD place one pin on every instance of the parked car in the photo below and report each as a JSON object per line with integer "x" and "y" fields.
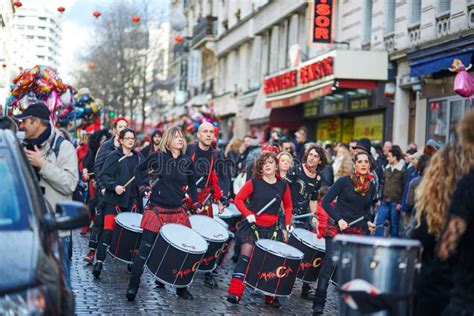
{"x": 32, "y": 279}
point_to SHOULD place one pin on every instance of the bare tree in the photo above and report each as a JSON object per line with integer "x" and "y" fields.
{"x": 122, "y": 62}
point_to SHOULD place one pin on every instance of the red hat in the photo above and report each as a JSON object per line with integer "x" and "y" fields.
{"x": 118, "y": 119}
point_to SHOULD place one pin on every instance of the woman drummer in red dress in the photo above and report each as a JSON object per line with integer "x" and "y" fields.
{"x": 259, "y": 191}
{"x": 174, "y": 172}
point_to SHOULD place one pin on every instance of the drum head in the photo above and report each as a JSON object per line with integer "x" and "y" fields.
{"x": 183, "y": 238}
{"x": 208, "y": 228}
{"x": 221, "y": 221}
{"x": 376, "y": 241}
{"x": 310, "y": 239}
{"x": 130, "y": 221}
{"x": 230, "y": 211}
{"x": 279, "y": 249}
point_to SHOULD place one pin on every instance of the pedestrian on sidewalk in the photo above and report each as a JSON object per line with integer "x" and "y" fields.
{"x": 55, "y": 163}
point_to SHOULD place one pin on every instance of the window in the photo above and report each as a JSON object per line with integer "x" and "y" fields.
{"x": 415, "y": 11}
{"x": 368, "y": 20}
{"x": 42, "y": 38}
{"x": 30, "y": 37}
{"x": 444, "y": 6}
{"x": 40, "y": 57}
{"x": 31, "y": 27}
{"x": 443, "y": 117}
{"x": 42, "y": 18}
{"x": 390, "y": 16}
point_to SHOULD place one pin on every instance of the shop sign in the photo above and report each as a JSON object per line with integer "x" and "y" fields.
{"x": 329, "y": 129}
{"x": 316, "y": 70}
{"x": 322, "y": 20}
{"x": 311, "y": 108}
{"x": 333, "y": 107}
{"x": 280, "y": 82}
{"x": 369, "y": 126}
{"x": 360, "y": 104}
{"x": 347, "y": 130}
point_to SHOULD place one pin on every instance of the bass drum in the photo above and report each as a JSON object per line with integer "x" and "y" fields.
{"x": 126, "y": 237}
{"x": 314, "y": 250}
{"x": 272, "y": 267}
{"x": 385, "y": 267}
{"x": 176, "y": 255}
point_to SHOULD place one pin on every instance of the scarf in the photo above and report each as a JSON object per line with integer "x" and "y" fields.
{"x": 311, "y": 170}
{"x": 43, "y": 137}
{"x": 361, "y": 182}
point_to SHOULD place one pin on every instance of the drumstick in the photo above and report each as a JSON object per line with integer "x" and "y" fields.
{"x": 199, "y": 181}
{"x": 263, "y": 209}
{"x": 128, "y": 182}
{"x": 356, "y": 221}
{"x": 302, "y": 216}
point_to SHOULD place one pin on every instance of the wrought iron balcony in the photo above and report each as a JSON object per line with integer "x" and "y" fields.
{"x": 205, "y": 29}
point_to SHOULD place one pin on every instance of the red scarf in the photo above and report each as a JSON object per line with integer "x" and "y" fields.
{"x": 311, "y": 170}
{"x": 362, "y": 182}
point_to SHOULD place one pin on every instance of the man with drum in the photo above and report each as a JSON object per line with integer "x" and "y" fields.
{"x": 173, "y": 171}
{"x": 105, "y": 149}
{"x": 206, "y": 172}
{"x": 121, "y": 192}
{"x": 304, "y": 181}
{"x": 264, "y": 191}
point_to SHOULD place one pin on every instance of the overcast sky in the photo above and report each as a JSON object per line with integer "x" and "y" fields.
{"x": 77, "y": 22}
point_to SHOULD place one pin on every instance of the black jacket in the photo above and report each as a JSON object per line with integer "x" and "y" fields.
{"x": 104, "y": 150}
{"x": 118, "y": 169}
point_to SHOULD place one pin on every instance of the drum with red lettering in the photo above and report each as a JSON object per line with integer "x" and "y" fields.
{"x": 126, "y": 236}
{"x": 272, "y": 267}
{"x": 216, "y": 236}
{"x": 176, "y": 255}
{"x": 231, "y": 216}
{"x": 314, "y": 250}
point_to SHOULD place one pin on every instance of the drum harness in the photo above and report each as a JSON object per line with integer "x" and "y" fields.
{"x": 263, "y": 209}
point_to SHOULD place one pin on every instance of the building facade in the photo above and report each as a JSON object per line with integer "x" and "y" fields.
{"x": 37, "y": 34}
{"x": 7, "y": 9}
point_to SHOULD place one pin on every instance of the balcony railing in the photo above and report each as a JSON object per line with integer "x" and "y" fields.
{"x": 206, "y": 28}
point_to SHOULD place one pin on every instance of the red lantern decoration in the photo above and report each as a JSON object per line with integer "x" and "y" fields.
{"x": 17, "y": 4}
{"x": 61, "y": 10}
{"x": 20, "y": 68}
{"x": 178, "y": 39}
{"x": 4, "y": 65}
{"x": 96, "y": 14}
{"x": 135, "y": 19}
{"x": 91, "y": 66}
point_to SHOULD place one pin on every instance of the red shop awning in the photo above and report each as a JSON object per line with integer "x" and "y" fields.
{"x": 298, "y": 97}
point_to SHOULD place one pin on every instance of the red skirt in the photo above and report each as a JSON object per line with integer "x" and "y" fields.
{"x": 201, "y": 196}
{"x": 332, "y": 230}
{"x": 154, "y": 217}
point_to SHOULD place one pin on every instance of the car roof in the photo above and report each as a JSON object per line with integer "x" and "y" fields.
{"x": 7, "y": 138}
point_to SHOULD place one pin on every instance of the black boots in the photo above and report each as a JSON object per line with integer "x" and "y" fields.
{"x": 210, "y": 281}
{"x": 319, "y": 302}
{"x": 305, "y": 292}
{"x": 97, "y": 269}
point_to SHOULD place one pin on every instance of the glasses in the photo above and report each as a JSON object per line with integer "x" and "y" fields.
{"x": 287, "y": 148}
{"x": 129, "y": 138}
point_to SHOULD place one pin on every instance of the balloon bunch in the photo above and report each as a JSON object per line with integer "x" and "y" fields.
{"x": 84, "y": 109}
{"x": 197, "y": 117}
{"x": 39, "y": 83}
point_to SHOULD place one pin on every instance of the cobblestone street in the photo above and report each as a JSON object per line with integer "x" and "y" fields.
{"x": 107, "y": 294}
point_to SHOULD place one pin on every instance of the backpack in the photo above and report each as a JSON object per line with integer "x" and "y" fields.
{"x": 80, "y": 193}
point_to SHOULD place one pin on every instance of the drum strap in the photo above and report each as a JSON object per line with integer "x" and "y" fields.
{"x": 117, "y": 209}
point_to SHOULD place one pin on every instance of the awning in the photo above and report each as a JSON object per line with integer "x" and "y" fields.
{"x": 260, "y": 113}
{"x": 225, "y": 105}
{"x": 298, "y": 97}
{"x": 198, "y": 100}
{"x": 287, "y": 117}
{"x": 439, "y": 62}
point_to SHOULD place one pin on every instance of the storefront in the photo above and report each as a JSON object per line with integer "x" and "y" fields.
{"x": 443, "y": 107}
{"x": 337, "y": 96}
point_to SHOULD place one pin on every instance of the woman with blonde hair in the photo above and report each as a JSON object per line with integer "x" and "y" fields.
{"x": 432, "y": 200}
{"x": 285, "y": 163}
{"x": 342, "y": 165}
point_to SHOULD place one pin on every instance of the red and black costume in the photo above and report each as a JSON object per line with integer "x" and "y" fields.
{"x": 172, "y": 176}
{"x": 258, "y": 193}
{"x": 205, "y": 162}
{"x": 118, "y": 169}
{"x": 354, "y": 196}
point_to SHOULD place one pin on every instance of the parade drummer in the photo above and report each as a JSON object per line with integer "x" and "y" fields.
{"x": 354, "y": 195}
{"x": 261, "y": 189}
{"x": 121, "y": 191}
{"x": 304, "y": 181}
{"x": 206, "y": 170}
{"x": 173, "y": 171}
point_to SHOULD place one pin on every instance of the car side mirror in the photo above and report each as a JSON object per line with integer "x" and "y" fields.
{"x": 69, "y": 215}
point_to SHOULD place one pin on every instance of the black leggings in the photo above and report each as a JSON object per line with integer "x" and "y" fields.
{"x": 148, "y": 238}
{"x": 324, "y": 275}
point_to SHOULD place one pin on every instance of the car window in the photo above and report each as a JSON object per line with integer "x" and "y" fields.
{"x": 13, "y": 209}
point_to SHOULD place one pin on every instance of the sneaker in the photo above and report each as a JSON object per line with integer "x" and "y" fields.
{"x": 234, "y": 299}
{"x": 131, "y": 294}
{"x": 89, "y": 258}
{"x": 97, "y": 269}
{"x": 210, "y": 281}
{"x": 272, "y": 301}
{"x": 306, "y": 294}
{"x": 184, "y": 293}
{"x": 84, "y": 230}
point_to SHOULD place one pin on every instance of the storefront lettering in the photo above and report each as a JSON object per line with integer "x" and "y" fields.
{"x": 322, "y": 21}
{"x": 316, "y": 70}
{"x": 359, "y": 104}
{"x": 280, "y": 82}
